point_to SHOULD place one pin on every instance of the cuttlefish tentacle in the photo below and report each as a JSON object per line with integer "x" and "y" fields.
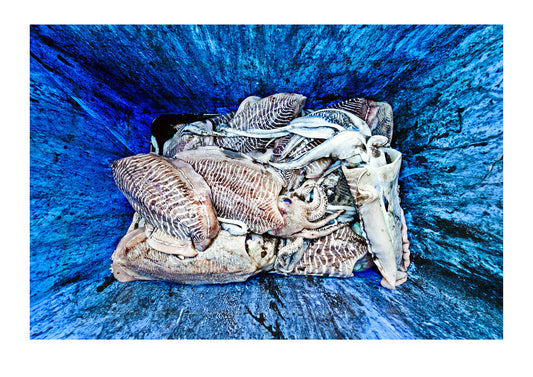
{"x": 314, "y": 122}
{"x": 289, "y": 255}
{"x": 342, "y": 119}
{"x": 323, "y": 222}
{"x": 256, "y": 134}
{"x": 234, "y": 227}
{"x": 344, "y": 145}
{"x": 317, "y": 207}
{"x": 321, "y": 232}
{"x": 297, "y": 151}
{"x": 293, "y": 143}
{"x": 298, "y": 214}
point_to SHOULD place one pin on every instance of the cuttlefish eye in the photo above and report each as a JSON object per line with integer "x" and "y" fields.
{"x": 287, "y": 200}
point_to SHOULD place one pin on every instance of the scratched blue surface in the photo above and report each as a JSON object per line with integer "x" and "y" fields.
{"x": 94, "y": 91}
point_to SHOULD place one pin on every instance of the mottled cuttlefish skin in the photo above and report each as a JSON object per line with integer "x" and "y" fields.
{"x": 244, "y": 190}
{"x": 240, "y": 188}
{"x": 384, "y": 124}
{"x": 362, "y": 107}
{"x": 171, "y": 197}
{"x": 378, "y": 115}
{"x": 268, "y": 113}
{"x": 334, "y": 255}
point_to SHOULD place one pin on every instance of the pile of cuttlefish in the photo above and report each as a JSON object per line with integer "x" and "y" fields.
{"x": 270, "y": 187}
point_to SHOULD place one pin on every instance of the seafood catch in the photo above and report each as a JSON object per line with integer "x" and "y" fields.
{"x": 272, "y": 187}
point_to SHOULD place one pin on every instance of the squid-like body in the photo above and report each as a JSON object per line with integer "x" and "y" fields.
{"x": 227, "y": 259}
{"x": 267, "y": 113}
{"x": 181, "y": 198}
{"x": 375, "y": 190}
{"x": 250, "y": 192}
{"x": 171, "y": 197}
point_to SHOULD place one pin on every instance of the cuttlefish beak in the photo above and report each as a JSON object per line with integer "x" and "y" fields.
{"x": 374, "y": 188}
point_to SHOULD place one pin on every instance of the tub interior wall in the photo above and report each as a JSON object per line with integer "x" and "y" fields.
{"x": 95, "y": 89}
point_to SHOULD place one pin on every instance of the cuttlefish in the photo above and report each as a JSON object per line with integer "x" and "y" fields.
{"x": 228, "y": 258}
{"x": 174, "y": 200}
{"x": 268, "y": 113}
{"x": 183, "y": 199}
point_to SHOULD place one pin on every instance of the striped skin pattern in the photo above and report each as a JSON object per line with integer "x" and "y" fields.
{"x": 363, "y": 108}
{"x": 294, "y": 177}
{"x": 171, "y": 197}
{"x": 378, "y": 115}
{"x": 384, "y": 121}
{"x": 247, "y": 102}
{"x": 305, "y": 146}
{"x": 270, "y": 112}
{"x": 332, "y": 115}
{"x": 240, "y": 189}
{"x": 333, "y": 255}
{"x": 220, "y": 119}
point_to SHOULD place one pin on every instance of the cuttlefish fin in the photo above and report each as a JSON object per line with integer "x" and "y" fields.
{"x": 168, "y": 244}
